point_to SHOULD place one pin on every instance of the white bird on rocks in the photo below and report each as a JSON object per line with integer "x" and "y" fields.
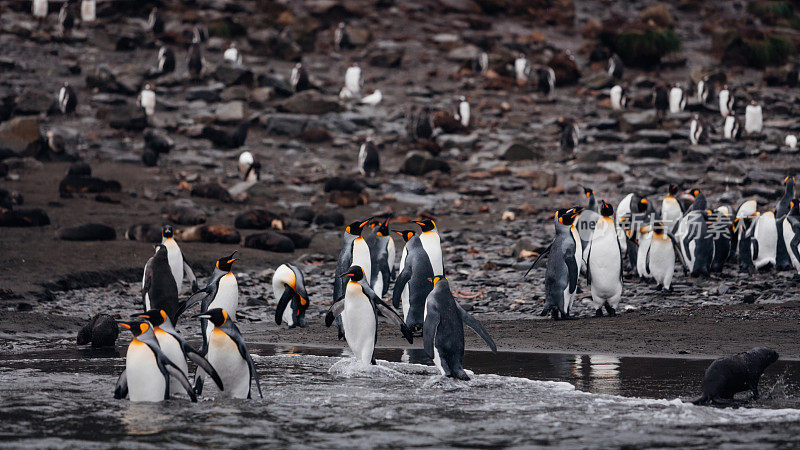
{"x": 88, "y": 11}
{"x": 352, "y": 82}
{"x": 522, "y": 69}
{"x": 618, "y": 98}
{"x": 372, "y": 99}
{"x": 725, "y": 101}
{"x": 463, "y": 114}
{"x": 791, "y": 141}
{"x": 677, "y": 99}
{"x": 753, "y": 119}
{"x": 233, "y": 55}
{"x": 147, "y": 99}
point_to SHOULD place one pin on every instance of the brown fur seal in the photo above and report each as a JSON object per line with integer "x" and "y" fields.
{"x": 731, "y": 374}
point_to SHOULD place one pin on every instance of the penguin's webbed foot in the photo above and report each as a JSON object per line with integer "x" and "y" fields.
{"x": 659, "y": 287}
{"x": 599, "y": 312}
{"x": 611, "y": 311}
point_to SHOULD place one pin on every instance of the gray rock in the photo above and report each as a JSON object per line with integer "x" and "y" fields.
{"x": 463, "y": 54}
{"x": 230, "y": 112}
{"x": 516, "y": 151}
{"x": 598, "y": 81}
{"x": 204, "y": 93}
{"x": 230, "y": 75}
{"x": 596, "y": 155}
{"x": 418, "y": 163}
{"x": 34, "y": 101}
{"x": 281, "y": 86}
{"x": 129, "y": 117}
{"x": 20, "y": 136}
{"x": 310, "y": 102}
{"x": 284, "y": 124}
{"x": 386, "y": 54}
{"x": 647, "y": 151}
{"x": 263, "y": 95}
{"x": 104, "y": 80}
{"x": 637, "y": 120}
{"x": 457, "y": 140}
{"x": 653, "y": 136}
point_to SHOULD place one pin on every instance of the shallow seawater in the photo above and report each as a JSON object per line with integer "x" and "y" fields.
{"x": 62, "y": 397}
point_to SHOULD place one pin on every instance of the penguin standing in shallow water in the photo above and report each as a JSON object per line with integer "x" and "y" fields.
{"x": 159, "y": 289}
{"x": 443, "y": 332}
{"x": 604, "y": 263}
{"x": 782, "y": 208}
{"x": 355, "y": 252}
{"x": 289, "y": 288}
{"x": 382, "y": 253}
{"x": 228, "y": 355}
{"x": 177, "y": 263}
{"x": 176, "y": 349}
{"x": 148, "y": 371}
{"x": 369, "y": 162}
{"x": 360, "y": 322}
{"x": 412, "y": 286}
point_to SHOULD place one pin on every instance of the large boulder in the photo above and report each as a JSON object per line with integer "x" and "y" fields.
{"x": 637, "y": 120}
{"x": 87, "y": 232}
{"x": 385, "y": 54}
{"x": 20, "y": 136}
{"x": 230, "y": 112}
{"x": 419, "y": 163}
{"x": 565, "y": 68}
{"x": 310, "y": 102}
{"x": 231, "y": 74}
{"x": 128, "y": 117}
{"x": 517, "y": 151}
{"x": 34, "y": 101}
{"x": 270, "y": 241}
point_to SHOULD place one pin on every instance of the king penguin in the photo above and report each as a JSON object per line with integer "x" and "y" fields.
{"x": 412, "y": 282}
{"x": 148, "y": 371}
{"x": 429, "y": 237}
{"x": 443, "y": 332}
{"x": 382, "y": 253}
{"x": 176, "y": 349}
{"x": 660, "y": 259}
{"x": 561, "y": 275}
{"x": 782, "y": 208}
{"x": 355, "y": 252}
{"x": 694, "y": 242}
{"x": 765, "y": 240}
{"x": 791, "y": 234}
{"x": 604, "y": 263}
{"x": 369, "y": 162}
{"x": 671, "y": 208}
{"x": 177, "y": 263}
{"x": 404, "y": 299}
{"x": 228, "y": 355}
{"x": 360, "y": 323}
{"x": 719, "y": 227}
{"x": 159, "y": 290}
{"x": 289, "y": 288}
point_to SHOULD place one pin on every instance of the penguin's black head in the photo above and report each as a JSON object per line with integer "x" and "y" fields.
{"x": 588, "y": 192}
{"x": 566, "y": 216}
{"x": 355, "y": 273}
{"x": 355, "y": 228}
{"x": 167, "y": 231}
{"x": 658, "y": 228}
{"x": 226, "y": 262}
{"x": 606, "y": 210}
{"x": 695, "y": 192}
{"x": 137, "y": 327}
{"x": 426, "y": 225}
{"x": 436, "y": 279}
{"x": 217, "y": 316}
{"x": 642, "y": 205}
{"x": 406, "y": 234}
{"x": 154, "y": 316}
{"x": 383, "y": 229}
{"x": 787, "y": 179}
{"x": 673, "y": 190}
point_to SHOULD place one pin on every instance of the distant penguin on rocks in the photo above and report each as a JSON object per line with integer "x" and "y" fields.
{"x": 705, "y": 91}
{"x": 341, "y": 38}
{"x": 618, "y": 97}
{"x": 67, "y": 100}
{"x": 661, "y": 99}
{"x": 289, "y": 289}
{"x": 615, "y": 67}
{"x": 372, "y": 99}
{"x": 299, "y": 78}
{"x": 249, "y": 168}
{"x": 166, "y": 60}
{"x": 753, "y": 120}
{"x": 443, "y": 331}
{"x": 155, "y": 23}
{"x": 570, "y": 135}
{"x": 66, "y": 20}
{"x": 522, "y": 69}
{"x": 782, "y": 208}
{"x": 232, "y": 54}
{"x": 39, "y": 10}
{"x": 698, "y": 130}
{"x": 726, "y": 101}
{"x": 352, "y": 83}
{"x": 790, "y": 141}
{"x": 403, "y": 302}
{"x": 462, "y": 113}
{"x": 369, "y": 163}
{"x": 194, "y": 61}
{"x": 147, "y": 99}
{"x": 480, "y": 64}
{"x": 546, "y": 81}
{"x": 199, "y": 34}
{"x": 604, "y": 263}
{"x": 677, "y": 99}
{"x": 88, "y": 11}
{"x": 660, "y": 258}
{"x": 731, "y": 128}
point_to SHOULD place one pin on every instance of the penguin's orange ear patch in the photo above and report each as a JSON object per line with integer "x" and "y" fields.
{"x": 163, "y": 314}
{"x": 143, "y": 327}
{"x": 124, "y": 325}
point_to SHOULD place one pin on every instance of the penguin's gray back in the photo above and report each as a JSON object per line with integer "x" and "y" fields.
{"x": 448, "y": 340}
{"x": 557, "y": 272}
{"x": 418, "y": 286}
{"x": 163, "y": 290}
{"x": 345, "y": 259}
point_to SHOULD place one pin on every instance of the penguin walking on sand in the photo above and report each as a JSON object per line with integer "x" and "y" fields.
{"x": 147, "y": 100}
{"x": 178, "y": 266}
{"x": 359, "y": 314}
{"x": 155, "y": 23}
{"x": 677, "y": 99}
{"x": 66, "y": 20}
{"x": 570, "y": 135}
{"x": 39, "y": 10}
{"x": 661, "y": 99}
{"x": 698, "y": 130}
{"x": 148, "y": 371}
{"x": 355, "y": 252}
{"x": 731, "y": 128}
{"x": 604, "y": 263}
{"x": 369, "y": 163}
{"x": 782, "y": 208}
{"x": 726, "y": 101}
{"x": 791, "y": 234}
{"x": 289, "y": 288}
{"x": 232, "y": 55}
{"x": 753, "y": 119}
{"x": 705, "y": 91}
{"x": 522, "y": 69}
{"x": 660, "y": 258}
{"x": 403, "y": 303}
{"x": 561, "y": 275}
{"x": 352, "y": 83}
{"x": 615, "y": 67}
{"x": 618, "y": 97}
{"x": 443, "y": 332}
{"x": 546, "y": 82}
{"x": 194, "y": 61}
{"x": 159, "y": 288}
{"x": 228, "y": 355}
{"x": 166, "y": 60}
{"x": 790, "y": 142}
{"x": 67, "y": 99}
{"x": 176, "y": 349}
{"x": 299, "y": 78}
{"x": 462, "y": 113}
{"x": 382, "y": 253}
{"x": 249, "y": 168}
{"x": 88, "y": 11}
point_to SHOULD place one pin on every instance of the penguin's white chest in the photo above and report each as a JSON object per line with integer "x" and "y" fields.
{"x": 616, "y": 97}
{"x": 766, "y": 233}
{"x": 463, "y": 111}
{"x": 604, "y": 265}
{"x": 175, "y": 259}
{"x": 728, "y": 129}
{"x": 641, "y": 256}
{"x": 227, "y": 296}
{"x": 433, "y": 247}
{"x": 404, "y": 302}
{"x": 519, "y": 68}
{"x": 361, "y": 256}
{"x": 724, "y": 95}
{"x": 362, "y": 157}
{"x": 224, "y": 357}
{"x": 146, "y": 383}
{"x": 670, "y": 211}
{"x": 359, "y": 323}
{"x": 172, "y": 350}
{"x": 352, "y": 80}
{"x": 283, "y": 276}
{"x": 148, "y": 101}
{"x": 662, "y": 260}
{"x": 88, "y": 13}
{"x": 788, "y": 235}
{"x": 232, "y": 55}
{"x": 693, "y": 134}
{"x": 675, "y": 100}
{"x": 40, "y": 8}
{"x": 753, "y": 119}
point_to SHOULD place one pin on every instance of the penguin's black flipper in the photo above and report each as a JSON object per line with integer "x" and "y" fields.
{"x": 175, "y": 372}
{"x": 589, "y": 272}
{"x": 754, "y": 244}
{"x": 572, "y": 268}
{"x": 475, "y": 325}
{"x": 400, "y": 284}
{"x": 795, "y": 241}
{"x": 246, "y": 355}
{"x": 197, "y": 297}
{"x": 429, "y": 330}
{"x": 541, "y": 255}
{"x": 385, "y": 273}
{"x": 677, "y": 248}
{"x": 121, "y": 389}
{"x": 394, "y": 318}
{"x": 287, "y": 296}
{"x": 334, "y": 312}
{"x": 148, "y": 278}
{"x": 647, "y": 259}
{"x": 203, "y": 363}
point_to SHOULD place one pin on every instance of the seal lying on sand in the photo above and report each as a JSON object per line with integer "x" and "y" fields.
{"x": 738, "y": 373}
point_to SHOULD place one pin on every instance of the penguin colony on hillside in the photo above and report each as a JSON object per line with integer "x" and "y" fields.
{"x": 595, "y": 240}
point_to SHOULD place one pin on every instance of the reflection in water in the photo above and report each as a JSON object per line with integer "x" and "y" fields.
{"x": 605, "y": 374}
{"x": 142, "y": 419}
